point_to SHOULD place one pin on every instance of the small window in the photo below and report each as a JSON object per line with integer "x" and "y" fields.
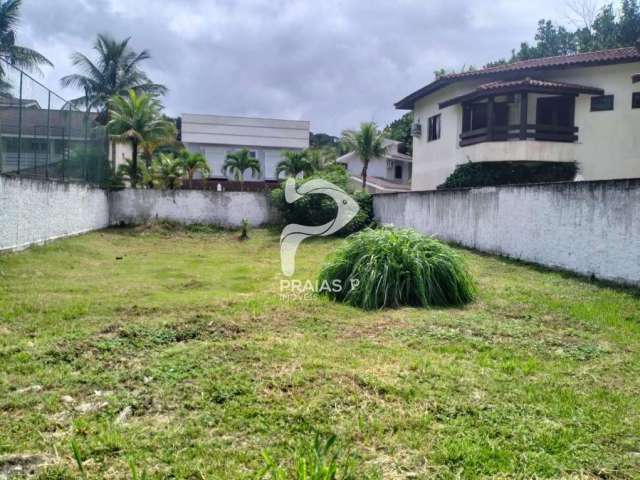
{"x": 434, "y": 128}
{"x": 398, "y": 172}
{"x": 636, "y": 100}
{"x": 603, "y": 103}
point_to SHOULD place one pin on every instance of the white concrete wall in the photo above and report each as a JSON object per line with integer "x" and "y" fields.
{"x": 35, "y": 211}
{"x": 227, "y": 209}
{"x": 608, "y": 144}
{"x": 591, "y": 228}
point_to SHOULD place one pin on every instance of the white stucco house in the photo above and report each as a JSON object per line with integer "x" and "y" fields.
{"x": 388, "y": 173}
{"x": 582, "y": 108}
{"x": 217, "y": 135}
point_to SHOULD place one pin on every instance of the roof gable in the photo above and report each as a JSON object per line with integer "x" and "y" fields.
{"x": 588, "y": 59}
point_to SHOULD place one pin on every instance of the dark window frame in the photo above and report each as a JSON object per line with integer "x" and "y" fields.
{"x": 603, "y": 107}
{"x": 635, "y": 100}
{"x": 434, "y": 128}
{"x": 397, "y": 169}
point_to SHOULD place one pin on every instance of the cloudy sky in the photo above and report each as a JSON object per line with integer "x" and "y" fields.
{"x": 333, "y": 62}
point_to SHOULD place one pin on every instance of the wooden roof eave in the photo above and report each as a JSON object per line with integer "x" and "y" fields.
{"x": 478, "y": 94}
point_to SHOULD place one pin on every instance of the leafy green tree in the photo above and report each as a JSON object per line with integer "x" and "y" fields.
{"x": 135, "y": 119}
{"x": 319, "y": 140}
{"x": 167, "y": 171}
{"x": 193, "y": 163}
{"x": 629, "y": 24}
{"x": 294, "y": 164}
{"x": 21, "y": 57}
{"x": 400, "y": 130}
{"x": 320, "y": 158}
{"x": 237, "y": 163}
{"x": 114, "y": 71}
{"x": 367, "y": 143}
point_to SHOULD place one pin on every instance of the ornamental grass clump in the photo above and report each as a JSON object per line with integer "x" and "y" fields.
{"x": 393, "y": 268}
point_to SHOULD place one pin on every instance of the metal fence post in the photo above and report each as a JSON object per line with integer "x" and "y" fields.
{"x": 19, "y": 124}
{"x": 48, "y": 159}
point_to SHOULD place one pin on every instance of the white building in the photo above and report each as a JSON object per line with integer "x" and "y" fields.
{"x": 582, "y": 108}
{"x": 215, "y": 136}
{"x": 388, "y": 173}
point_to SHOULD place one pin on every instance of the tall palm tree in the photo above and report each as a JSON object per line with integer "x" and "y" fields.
{"x": 21, "y": 57}
{"x": 239, "y": 162}
{"x": 367, "y": 143}
{"x": 114, "y": 71}
{"x": 192, "y": 163}
{"x": 294, "y": 164}
{"x": 135, "y": 119}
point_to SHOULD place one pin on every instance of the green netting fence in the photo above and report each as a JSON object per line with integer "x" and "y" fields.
{"x": 42, "y": 135}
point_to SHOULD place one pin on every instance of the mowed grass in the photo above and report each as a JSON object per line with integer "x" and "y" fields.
{"x": 187, "y": 331}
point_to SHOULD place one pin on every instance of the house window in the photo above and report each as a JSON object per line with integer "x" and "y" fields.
{"x": 398, "y": 172}
{"x": 635, "y": 103}
{"x": 434, "y": 128}
{"x": 602, "y": 103}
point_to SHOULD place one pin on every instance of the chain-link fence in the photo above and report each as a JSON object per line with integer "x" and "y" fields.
{"x": 43, "y": 136}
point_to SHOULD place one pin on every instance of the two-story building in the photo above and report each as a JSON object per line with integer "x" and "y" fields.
{"x": 582, "y": 108}
{"x": 266, "y": 139}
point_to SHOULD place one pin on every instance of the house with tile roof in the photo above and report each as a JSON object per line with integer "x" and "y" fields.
{"x": 582, "y": 108}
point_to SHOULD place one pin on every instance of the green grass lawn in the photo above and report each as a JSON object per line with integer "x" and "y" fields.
{"x": 539, "y": 378}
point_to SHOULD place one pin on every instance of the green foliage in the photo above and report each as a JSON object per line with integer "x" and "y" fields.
{"x": 167, "y": 171}
{"x": 294, "y": 164}
{"x": 114, "y": 72}
{"x": 322, "y": 459}
{"x": 394, "y": 268}
{"x": 193, "y": 163}
{"x": 136, "y": 119}
{"x": 400, "y": 130}
{"x": 21, "y": 57}
{"x": 318, "y": 209}
{"x": 244, "y": 235}
{"x": 134, "y": 173}
{"x": 321, "y": 140}
{"x": 238, "y": 163}
{"x": 489, "y": 174}
{"x": 320, "y": 158}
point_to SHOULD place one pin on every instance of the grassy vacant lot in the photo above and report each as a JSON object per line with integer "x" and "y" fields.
{"x": 187, "y": 332}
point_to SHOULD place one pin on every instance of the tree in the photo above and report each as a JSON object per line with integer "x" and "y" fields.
{"x": 237, "y": 163}
{"x": 294, "y": 164}
{"x": 400, "y": 130}
{"x": 134, "y": 173}
{"x": 114, "y": 72}
{"x": 137, "y": 119}
{"x": 320, "y": 158}
{"x": 168, "y": 171}
{"x": 367, "y": 143}
{"x": 193, "y": 163}
{"x": 21, "y": 57}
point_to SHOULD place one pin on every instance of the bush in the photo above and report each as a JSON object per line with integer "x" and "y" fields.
{"x": 491, "y": 174}
{"x": 392, "y": 268}
{"x": 319, "y": 209}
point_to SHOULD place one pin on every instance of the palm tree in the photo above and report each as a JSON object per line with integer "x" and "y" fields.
{"x": 239, "y": 162}
{"x": 192, "y": 163}
{"x": 367, "y": 143}
{"x": 168, "y": 171}
{"x": 133, "y": 173}
{"x": 136, "y": 119}
{"x": 13, "y": 54}
{"x": 294, "y": 164}
{"x": 115, "y": 71}
{"x": 320, "y": 158}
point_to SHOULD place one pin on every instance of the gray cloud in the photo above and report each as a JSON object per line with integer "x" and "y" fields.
{"x": 334, "y": 62}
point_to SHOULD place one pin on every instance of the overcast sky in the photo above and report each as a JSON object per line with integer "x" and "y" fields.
{"x": 333, "y": 62}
